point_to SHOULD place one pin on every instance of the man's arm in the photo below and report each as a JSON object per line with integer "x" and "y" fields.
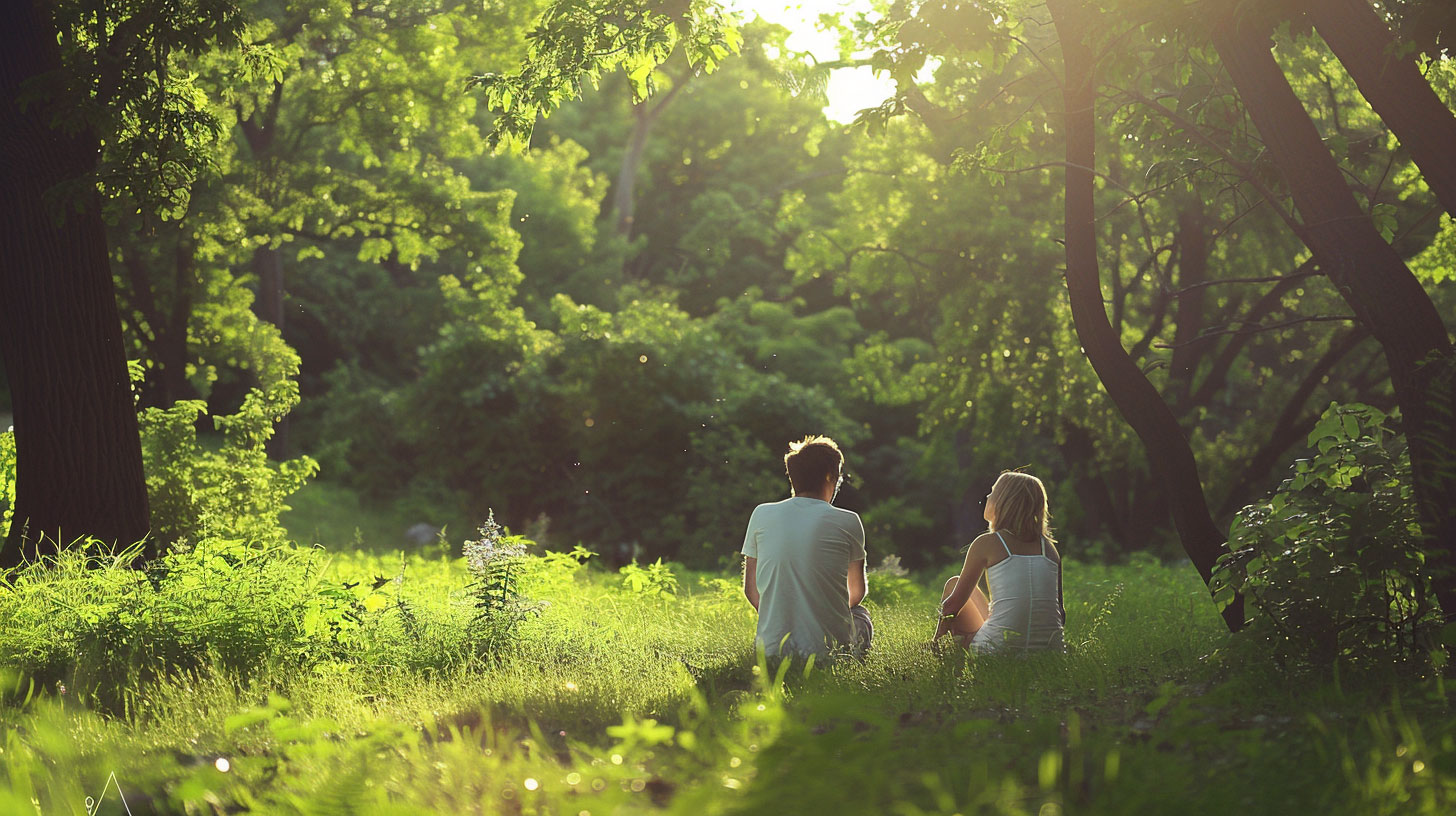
{"x": 750, "y": 579}
{"x": 859, "y": 585}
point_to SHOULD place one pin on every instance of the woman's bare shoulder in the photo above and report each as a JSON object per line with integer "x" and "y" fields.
{"x": 1052, "y": 552}
{"x": 982, "y": 544}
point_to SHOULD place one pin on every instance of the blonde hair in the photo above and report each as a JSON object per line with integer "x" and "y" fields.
{"x": 1019, "y": 506}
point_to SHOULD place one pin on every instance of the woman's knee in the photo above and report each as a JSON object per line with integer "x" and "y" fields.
{"x": 950, "y": 585}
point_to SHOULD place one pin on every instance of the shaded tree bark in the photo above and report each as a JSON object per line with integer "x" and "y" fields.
{"x": 161, "y": 328}
{"x": 1136, "y": 398}
{"x": 1289, "y": 428}
{"x": 1079, "y": 453}
{"x": 260, "y": 131}
{"x": 79, "y": 459}
{"x": 1189, "y": 315}
{"x": 1370, "y": 276}
{"x": 644, "y": 116}
{"x": 1392, "y": 84}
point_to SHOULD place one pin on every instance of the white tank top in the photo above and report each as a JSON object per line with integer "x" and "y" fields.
{"x": 1025, "y": 609}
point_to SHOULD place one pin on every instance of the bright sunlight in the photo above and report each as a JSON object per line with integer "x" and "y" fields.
{"x": 850, "y": 89}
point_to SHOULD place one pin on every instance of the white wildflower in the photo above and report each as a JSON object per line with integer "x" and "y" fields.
{"x": 491, "y": 550}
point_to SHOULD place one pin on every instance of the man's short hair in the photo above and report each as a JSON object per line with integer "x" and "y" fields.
{"x": 811, "y": 462}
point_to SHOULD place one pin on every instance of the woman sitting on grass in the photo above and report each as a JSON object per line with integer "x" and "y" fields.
{"x": 1024, "y": 571}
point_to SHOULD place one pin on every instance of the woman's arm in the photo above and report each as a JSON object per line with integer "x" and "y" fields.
{"x": 750, "y": 579}
{"x": 971, "y": 572}
{"x": 1061, "y": 605}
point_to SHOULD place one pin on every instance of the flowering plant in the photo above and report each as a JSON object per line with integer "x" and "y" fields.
{"x": 495, "y": 562}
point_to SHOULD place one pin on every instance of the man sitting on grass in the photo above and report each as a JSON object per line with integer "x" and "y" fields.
{"x": 804, "y": 569}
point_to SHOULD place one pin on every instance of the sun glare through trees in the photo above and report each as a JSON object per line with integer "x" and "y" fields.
{"x": 848, "y": 89}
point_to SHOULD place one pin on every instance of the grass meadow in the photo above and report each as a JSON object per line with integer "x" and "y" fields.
{"x": 295, "y": 680}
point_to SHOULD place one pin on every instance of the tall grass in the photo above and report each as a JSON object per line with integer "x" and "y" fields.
{"x": 351, "y": 684}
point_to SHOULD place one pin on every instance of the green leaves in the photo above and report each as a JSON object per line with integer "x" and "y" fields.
{"x": 7, "y": 481}
{"x": 655, "y": 580}
{"x": 232, "y": 491}
{"x": 1334, "y": 559}
{"x": 575, "y": 42}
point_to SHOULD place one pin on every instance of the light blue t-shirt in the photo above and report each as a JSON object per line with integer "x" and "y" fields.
{"x": 804, "y": 548}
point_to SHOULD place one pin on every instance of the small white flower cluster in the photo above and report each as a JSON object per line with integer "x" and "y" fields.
{"x": 491, "y": 550}
{"x": 891, "y": 566}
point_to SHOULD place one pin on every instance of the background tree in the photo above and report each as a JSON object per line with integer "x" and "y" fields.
{"x": 76, "y": 76}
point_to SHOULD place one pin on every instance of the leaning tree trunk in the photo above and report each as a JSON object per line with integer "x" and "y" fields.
{"x": 1392, "y": 84}
{"x": 1136, "y": 398}
{"x": 1373, "y": 280}
{"x": 78, "y": 453}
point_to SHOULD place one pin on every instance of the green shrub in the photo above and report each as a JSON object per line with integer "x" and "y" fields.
{"x": 654, "y": 580}
{"x": 7, "y": 481}
{"x": 233, "y": 491}
{"x": 85, "y": 619}
{"x": 1333, "y": 559}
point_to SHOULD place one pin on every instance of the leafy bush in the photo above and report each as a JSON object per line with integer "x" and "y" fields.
{"x": 654, "y": 580}
{"x": 86, "y": 619}
{"x": 1333, "y": 559}
{"x": 7, "y": 481}
{"x": 890, "y": 584}
{"x": 233, "y": 491}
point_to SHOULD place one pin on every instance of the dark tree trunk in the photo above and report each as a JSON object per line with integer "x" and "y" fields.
{"x": 1372, "y": 279}
{"x": 268, "y": 266}
{"x": 261, "y": 133}
{"x": 79, "y": 459}
{"x": 1392, "y": 84}
{"x": 1189, "y": 317}
{"x": 163, "y": 331}
{"x": 1138, "y": 401}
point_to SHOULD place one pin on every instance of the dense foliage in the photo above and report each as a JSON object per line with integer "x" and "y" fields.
{"x": 1334, "y": 558}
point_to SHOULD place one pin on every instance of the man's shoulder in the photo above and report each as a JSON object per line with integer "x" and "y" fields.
{"x": 848, "y": 518}
{"x": 769, "y": 507}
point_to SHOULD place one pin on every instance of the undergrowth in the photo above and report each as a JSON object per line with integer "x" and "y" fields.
{"x": 293, "y": 680}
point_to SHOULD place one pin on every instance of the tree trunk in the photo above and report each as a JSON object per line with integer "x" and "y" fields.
{"x": 1393, "y": 85}
{"x": 1372, "y": 279}
{"x": 1189, "y": 317}
{"x": 1136, "y": 398}
{"x": 624, "y": 197}
{"x": 78, "y": 452}
{"x": 161, "y": 329}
